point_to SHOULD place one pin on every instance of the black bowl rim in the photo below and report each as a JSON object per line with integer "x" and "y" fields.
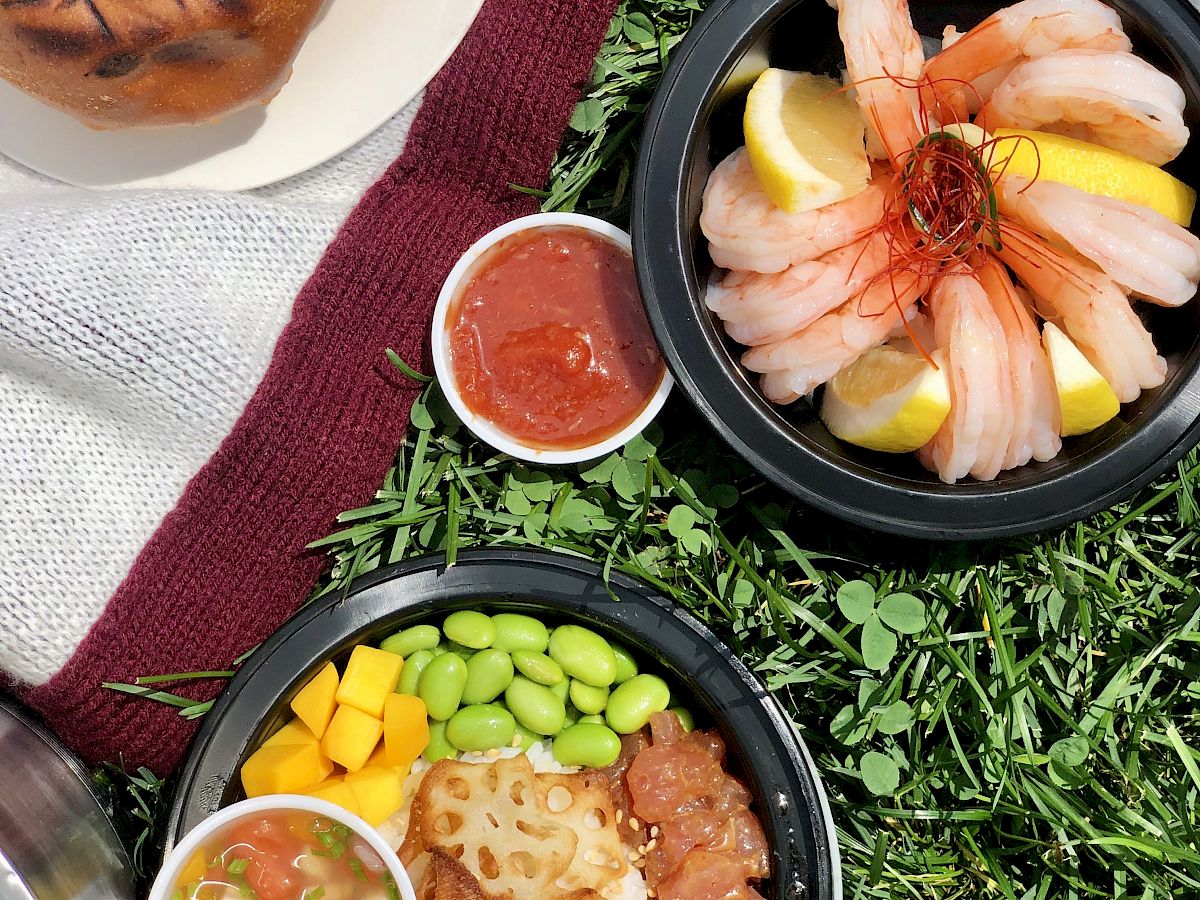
{"x": 324, "y": 627}
{"x": 661, "y": 243}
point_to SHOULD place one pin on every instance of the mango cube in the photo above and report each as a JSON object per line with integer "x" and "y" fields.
{"x": 351, "y": 737}
{"x": 294, "y": 732}
{"x": 379, "y": 792}
{"x": 370, "y": 677}
{"x": 379, "y": 759}
{"x": 315, "y": 703}
{"x": 284, "y": 769}
{"x": 405, "y": 729}
{"x": 338, "y": 792}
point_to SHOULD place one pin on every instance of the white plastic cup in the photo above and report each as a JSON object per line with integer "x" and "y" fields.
{"x": 164, "y": 884}
{"x": 485, "y": 429}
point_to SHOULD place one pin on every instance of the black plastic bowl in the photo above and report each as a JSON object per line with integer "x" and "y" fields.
{"x": 695, "y": 121}
{"x": 762, "y": 745}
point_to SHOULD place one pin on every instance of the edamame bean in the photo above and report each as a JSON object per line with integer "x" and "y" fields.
{"x": 441, "y": 686}
{"x": 583, "y": 654}
{"x": 591, "y": 720}
{"x": 562, "y": 689}
{"x": 481, "y": 727}
{"x": 463, "y": 653}
{"x": 438, "y": 747}
{"x": 516, "y": 632}
{"x": 535, "y": 706}
{"x": 587, "y": 744}
{"x": 528, "y": 738}
{"x": 470, "y": 628}
{"x": 489, "y": 672}
{"x": 407, "y": 642}
{"x": 686, "y": 719}
{"x": 410, "y": 675}
{"x": 587, "y": 699}
{"x": 632, "y": 703}
{"x": 538, "y": 667}
{"x": 626, "y": 664}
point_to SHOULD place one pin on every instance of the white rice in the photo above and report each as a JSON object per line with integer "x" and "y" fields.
{"x": 631, "y": 887}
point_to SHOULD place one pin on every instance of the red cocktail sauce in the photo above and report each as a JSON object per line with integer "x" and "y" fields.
{"x": 549, "y": 340}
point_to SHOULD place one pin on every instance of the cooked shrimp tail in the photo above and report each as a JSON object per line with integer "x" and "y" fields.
{"x": 747, "y": 232}
{"x": 1025, "y": 30}
{"x": 1113, "y": 99}
{"x": 976, "y": 435}
{"x": 884, "y": 60}
{"x": 758, "y": 308}
{"x": 1141, "y": 250}
{"x": 796, "y": 365}
{"x": 1037, "y": 419}
{"x": 1092, "y": 309}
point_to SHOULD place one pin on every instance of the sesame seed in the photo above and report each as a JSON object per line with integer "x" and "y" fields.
{"x": 620, "y": 816}
{"x": 654, "y": 832}
{"x": 653, "y": 843}
{"x": 634, "y": 824}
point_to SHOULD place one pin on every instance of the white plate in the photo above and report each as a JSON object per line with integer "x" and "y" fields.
{"x": 362, "y": 62}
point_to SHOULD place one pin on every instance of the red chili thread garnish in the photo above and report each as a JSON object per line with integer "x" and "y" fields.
{"x": 941, "y": 215}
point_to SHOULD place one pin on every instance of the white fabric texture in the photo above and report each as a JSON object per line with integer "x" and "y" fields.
{"x": 134, "y": 326}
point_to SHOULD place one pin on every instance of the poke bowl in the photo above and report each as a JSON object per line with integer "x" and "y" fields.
{"x": 696, "y": 121}
{"x": 729, "y": 714}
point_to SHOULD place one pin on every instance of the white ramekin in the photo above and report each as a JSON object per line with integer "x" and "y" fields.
{"x": 483, "y": 428}
{"x": 164, "y": 884}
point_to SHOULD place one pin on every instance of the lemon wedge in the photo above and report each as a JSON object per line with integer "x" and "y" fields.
{"x": 805, "y": 138}
{"x": 1086, "y": 399}
{"x": 887, "y": 400}
{"x": 1094, "y": 169}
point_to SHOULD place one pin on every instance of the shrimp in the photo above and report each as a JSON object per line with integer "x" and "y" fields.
{"x": 1025, "y": 30}
{"x": 1113, "y": 99}
{"x": 1141, "y": 250}
{"x": 758, "y": 308}
{"x": 796, "y": 365}
{"x": 747, "y": 232}
{"x": 1037, "y": 420}
{"x": 1092, "y": 310}
{"x": 962, "y": 100}
{"x": 884, "y": 59}
{"x": 975, "y": 437}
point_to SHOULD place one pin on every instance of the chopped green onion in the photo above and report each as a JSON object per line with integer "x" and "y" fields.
{"x": 393, "y": 891}
{"x": 314, "y": 893}
{"x": 356, "y": 867}
{"x": 238, "y": 866}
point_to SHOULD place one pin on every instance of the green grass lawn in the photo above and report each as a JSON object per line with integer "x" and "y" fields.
{"x": 1013, "y": 719}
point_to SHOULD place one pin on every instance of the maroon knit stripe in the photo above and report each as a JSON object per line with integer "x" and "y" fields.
{"x": 228, "y": 564}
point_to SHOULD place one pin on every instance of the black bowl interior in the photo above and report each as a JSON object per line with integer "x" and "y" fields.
{"x": 696, "y": 122}
{"x": 702, "y": 671}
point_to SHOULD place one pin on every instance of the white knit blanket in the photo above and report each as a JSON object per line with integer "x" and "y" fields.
{"x": 134, "y": 326}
